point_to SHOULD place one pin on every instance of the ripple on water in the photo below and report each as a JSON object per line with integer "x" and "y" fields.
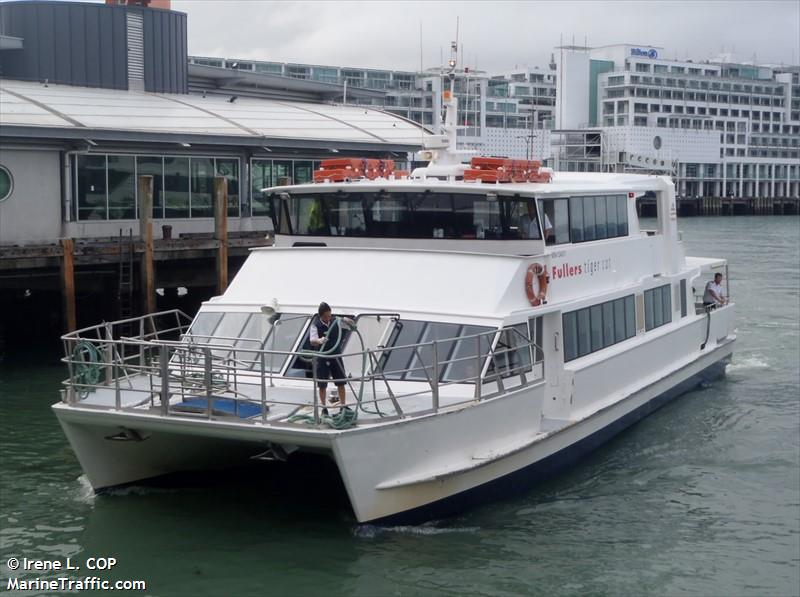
{"x": 370, "y": 531}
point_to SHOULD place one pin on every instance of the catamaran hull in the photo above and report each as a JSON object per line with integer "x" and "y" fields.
{"x": 420, "y": 472}
{"x": 524, "y": 470}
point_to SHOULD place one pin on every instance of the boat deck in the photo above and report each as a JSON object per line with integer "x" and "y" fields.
{"x": 287, "y": 399}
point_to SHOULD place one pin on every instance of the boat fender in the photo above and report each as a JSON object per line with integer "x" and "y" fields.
{"x": 536, "y": 270}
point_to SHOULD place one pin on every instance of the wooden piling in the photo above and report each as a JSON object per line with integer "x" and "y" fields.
{"x": 221, "y": 231}
{"x": 147, "y": 270}
{"x": 68, "y": 284}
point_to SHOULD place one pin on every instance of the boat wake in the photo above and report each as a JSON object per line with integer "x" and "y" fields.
{"x": 84, "y": 492}
{"x": 747, "y": 364}
{"x": 371, "y": 531}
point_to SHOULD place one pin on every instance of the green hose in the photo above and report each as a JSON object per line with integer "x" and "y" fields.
{"x": 345, "y": 418}
{"x": 87, "y": 363}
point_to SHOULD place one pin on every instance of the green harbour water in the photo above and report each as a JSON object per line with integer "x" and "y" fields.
{"x": 700, "y": 498}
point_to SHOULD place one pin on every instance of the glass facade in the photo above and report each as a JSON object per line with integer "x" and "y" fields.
{"x": 183, "y": 187}
{"x": 270, "y": 173}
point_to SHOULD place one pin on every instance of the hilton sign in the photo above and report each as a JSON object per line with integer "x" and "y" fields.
{"x": 651, "y": 53}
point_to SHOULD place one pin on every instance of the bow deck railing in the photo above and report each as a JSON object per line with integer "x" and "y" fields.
{"x": 164, "y": 371}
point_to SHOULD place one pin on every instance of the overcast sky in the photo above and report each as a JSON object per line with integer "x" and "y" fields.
{"x": 493, "y": 35}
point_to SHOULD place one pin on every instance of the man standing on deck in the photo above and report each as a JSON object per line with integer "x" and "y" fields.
{"x": 714, "y": 294}
{"x": 326, "y": 335}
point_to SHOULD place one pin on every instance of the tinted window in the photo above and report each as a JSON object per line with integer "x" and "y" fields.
{"x": 512, "y": 354}
{"x": 658, "y": 306}
{"x": 622, "y": 216}
{"x": 412, "y": 215}
{"x": 601, "y": 228}
{"x": 589, "y": 217}
{"x": 608, "y": 323}
{"x": 576, "y": 218}
{"x": 422, "y": 361}
{"x": 599, "y": 326}
{"x": 584, "y": 333}
{"x": 464, "y": 364}
{"x": 619, "y": 320}
{"x": 570, "y": 336}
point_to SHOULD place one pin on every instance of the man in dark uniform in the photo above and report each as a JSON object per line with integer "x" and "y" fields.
{"x": 327, "y": 336}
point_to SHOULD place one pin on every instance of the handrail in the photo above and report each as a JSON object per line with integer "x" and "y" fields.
{"x": 175, "y": 369}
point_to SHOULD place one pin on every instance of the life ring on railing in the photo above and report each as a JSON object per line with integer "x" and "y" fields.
{"x": 537, "y": 271}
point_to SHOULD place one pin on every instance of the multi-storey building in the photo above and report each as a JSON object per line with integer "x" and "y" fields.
{"x": 721, "y": 128}
{"x": 504, "y": 114}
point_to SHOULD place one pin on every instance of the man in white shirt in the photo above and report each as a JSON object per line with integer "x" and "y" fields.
{"x": 714, "y": 295}
{"x": 529, "y": 223}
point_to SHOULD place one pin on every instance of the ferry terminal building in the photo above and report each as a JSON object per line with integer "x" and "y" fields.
{"x": 94, "y": 96}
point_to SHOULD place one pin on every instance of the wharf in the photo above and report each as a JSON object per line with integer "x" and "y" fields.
{"x": 726, "y": 206}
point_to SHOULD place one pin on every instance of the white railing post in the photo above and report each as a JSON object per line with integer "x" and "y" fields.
{"x": 263, "y": 390}
{"x": 207, "y": 379}
{"x": 163, "y": 362}
{"x": 314, "y": 388}
{"x": 108, "y": 354}
{"x": 435, "y": 384}
{"x": 478, "y": 368}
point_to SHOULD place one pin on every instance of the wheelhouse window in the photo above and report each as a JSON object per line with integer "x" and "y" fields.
{"x": 556, "y": 220}
{"x": 409, "y": 215}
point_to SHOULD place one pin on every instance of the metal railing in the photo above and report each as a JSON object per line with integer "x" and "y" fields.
{"x": 162, "y": 369}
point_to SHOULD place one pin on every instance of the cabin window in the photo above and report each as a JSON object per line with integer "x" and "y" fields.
{"x": 596, "y": 218}
{"x": 683, "y": 297}
{"x": 456, "y": 354}
{"x": 576, "y": 219}
{"x": 512, "y": 354}
{"x": 599, "y": 326}
{"x": 657, "y": 307}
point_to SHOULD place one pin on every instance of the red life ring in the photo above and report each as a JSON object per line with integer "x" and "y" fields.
{"x": 538, "y": 271}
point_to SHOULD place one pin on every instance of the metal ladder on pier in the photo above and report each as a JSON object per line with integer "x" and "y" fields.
{"x": 125, "y": 281}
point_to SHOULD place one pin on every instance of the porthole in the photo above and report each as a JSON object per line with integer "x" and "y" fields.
{"x": 657, "y": 142}
{"x": 6, "y": 183}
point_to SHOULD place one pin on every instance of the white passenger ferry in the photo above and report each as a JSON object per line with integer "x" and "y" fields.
{"x": 501, "y": 331}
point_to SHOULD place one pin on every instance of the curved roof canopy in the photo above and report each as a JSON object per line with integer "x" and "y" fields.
{"x": 35, "y": 109}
